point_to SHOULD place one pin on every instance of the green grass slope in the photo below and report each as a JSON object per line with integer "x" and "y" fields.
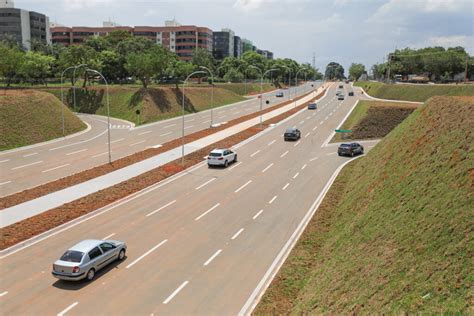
{"x": 412, "y": 92}
{"x": 246, "y": 89}
{"x": 154, "y": 103}
{"x": 394, "y": 234}
{"x": 28, "y": 117}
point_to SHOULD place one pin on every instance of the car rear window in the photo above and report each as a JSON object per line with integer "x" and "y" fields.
{"x": 215, "y": 154}
{"x": 290, "y": 130}
{"x": 345, "y": 145}
{"x": 72, "y": 256}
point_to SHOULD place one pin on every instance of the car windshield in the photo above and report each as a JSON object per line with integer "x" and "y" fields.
{"x": 345, "y": 145}
{"x": 215, "y": 154}
{"x": 72, "y": 256}
{"x": 290, "y": 130}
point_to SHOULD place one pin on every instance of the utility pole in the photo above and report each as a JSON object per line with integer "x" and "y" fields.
{"x": 388, "y": 65}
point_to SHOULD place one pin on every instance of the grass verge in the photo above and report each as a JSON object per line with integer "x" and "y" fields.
{"x": 394, "y": 234}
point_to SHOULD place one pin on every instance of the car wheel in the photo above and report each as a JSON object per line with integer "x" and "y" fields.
{"x": 90, "y": 275}
{"x": 121, "y": 254}
{"x": 339, "y": 154}
{"x": 226, "y": 164}
{"x": 235, "y": 158}
{"x": 209, "y": 166}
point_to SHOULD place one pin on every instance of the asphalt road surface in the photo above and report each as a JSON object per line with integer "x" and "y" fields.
{"x": 198, "y": 243}
{"x": 26, "y": 168}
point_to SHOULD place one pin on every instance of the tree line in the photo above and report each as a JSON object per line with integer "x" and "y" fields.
{"x": 123, "y": 58}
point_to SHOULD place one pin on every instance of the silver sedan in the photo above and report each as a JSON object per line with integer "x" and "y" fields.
{"x": 83, "y": 260}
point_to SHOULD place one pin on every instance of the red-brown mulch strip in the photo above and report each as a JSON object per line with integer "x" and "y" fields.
{"x": 45, "y": 221}
{"x": 59, "y": 184}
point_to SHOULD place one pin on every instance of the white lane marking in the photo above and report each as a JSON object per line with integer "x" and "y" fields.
{"x": 4, "y": 160}
{"x": 76, "y": 152}
{"x": 258, "y": 214}
{"x": 313, "y": 159}
{"x": 80, "y": 142}
{"x": 164, "y": 206}
{"x": 296, "y": 175}
{"x": 271, "y": 143}
{"x": 267, "y": 167}
{"x": 255, "y": 153}
{"x": 222, "y": 116}
{"x": 330, "y": 154}
{"x": 237, "y": 234}
{"x": 304, "y": 166}
{"x": 146, "y": 254}
{"x": 3, "y": 293}
{"x": 307, "y": 134}
{"x": 284, "y": 154}
{"x": 140, "y": 142}
{"x": 156, "y": 146}
{"x": 314, "y": 128}
{"x": 286, "y": 186}
{"x": 237, "y": 112}
{"x": 212, "y": 257}
{"x": 326, "y": 118}
{"x": 235, "y": 165}
{"x": 68, "y": 309}
{"x": 169, "y": 126}
{"x": 189, "y": 121}
{"x": 30, "y": 164}
{"x": 273, "y": 199}
{"x": 108, "y": 236}
{"x": 297, "y": 143}
{"x": 190, "y": 126}
{"x": 116, "y": 141}
{"x": 301, "y": 122}
{"x": 166, "y": 134}
{"x": 243, "y": 186}
{"x": 102, "y": 154}
{"x": 208, "y": 121}
{"x": 51, "y": 169}
{"x": 205, "y": 183}
{"x": 321, "y": 123}
{"x": 175, "y": 292}
{"x": 147, "y": 132}
{"x": 330, "y": 114}
{"x": 28, "y": 155}
{"x": 308, "y": 117}
{"x": 207, "y": 212}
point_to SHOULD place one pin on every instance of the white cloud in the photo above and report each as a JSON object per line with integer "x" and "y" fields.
{"x": 84, "y": 4}
{"x": 452, "y": 41}
{"x": 248, "y": 5}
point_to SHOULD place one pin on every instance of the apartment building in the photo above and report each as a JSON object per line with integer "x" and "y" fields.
{"x": 238, "y": 47}
{"x": 223, "y": 44}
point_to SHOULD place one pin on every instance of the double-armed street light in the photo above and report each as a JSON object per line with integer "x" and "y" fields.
{"x": 261, "y": 89}
{"x": 212, "y": 92}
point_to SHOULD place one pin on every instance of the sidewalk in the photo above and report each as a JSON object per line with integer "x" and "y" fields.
{"x": 34, "y": 207}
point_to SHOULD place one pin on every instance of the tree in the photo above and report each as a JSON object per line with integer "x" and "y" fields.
{"x": 356, "y": 70}
{"x": 180, "y": 70}
{"x": 233, "y": 75}
{"x": 10, "y": 62}
{"x": 202, "y": 57}
{"x": 79, "y": 54}
{"x": 36, "y": 66}
{"x": 254, "y": 59}
{"x": 229, "y": 63}
{"x": 334, "y": 71}
{"x": 110, "y": 63}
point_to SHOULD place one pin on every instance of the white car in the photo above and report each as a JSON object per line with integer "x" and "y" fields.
{"x": 221, "y": 157}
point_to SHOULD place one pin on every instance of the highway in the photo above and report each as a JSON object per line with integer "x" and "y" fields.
{"x": 28, "y": 167}
{"x": 198, "y": 243}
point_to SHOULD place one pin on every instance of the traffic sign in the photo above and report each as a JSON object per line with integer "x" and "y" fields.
{"x": 343, "y": 131}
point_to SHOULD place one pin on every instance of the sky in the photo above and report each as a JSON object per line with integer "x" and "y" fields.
{"x": 344, "y": 31}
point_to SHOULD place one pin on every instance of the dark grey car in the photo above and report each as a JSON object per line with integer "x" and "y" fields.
{"x": 292, "y": 134}
{"x": 351, "y": 149}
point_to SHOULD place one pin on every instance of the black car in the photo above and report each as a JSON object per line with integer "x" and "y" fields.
{"x": 312, "y": 106}
{"x": 340, "y": 86}
{"x": 351, "y": 149}
{"x": 340, "y": 97}
{"x": 292, "y": 134}
{"x": 279, "y": 94}
{"x": 351, "y": 93}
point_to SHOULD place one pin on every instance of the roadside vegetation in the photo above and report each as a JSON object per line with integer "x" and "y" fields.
{"x": 394, "y": 233}
{"x": 373, "y": 120}
{"x": 28, "y": 117}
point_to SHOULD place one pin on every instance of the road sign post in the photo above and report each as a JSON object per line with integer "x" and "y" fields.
{"x": 344, "y": 132}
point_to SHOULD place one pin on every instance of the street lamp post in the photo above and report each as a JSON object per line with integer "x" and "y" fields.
{"x": 108, "y": 109}
{"x": 212, "y": 92}
{"x": 74, "y": 83}
{"x": 261, "y": 89}
{"x": 62, "y": 99}
{"x": 182, "y": 130}
{"x": 289, "y": 81}
{"x": 296, "y": 82}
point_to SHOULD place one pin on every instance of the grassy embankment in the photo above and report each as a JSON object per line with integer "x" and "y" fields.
{"x": 413, "y": 92}
{"x": 246, "y": 89}
{"x": 28, "y": 117}
{"x": 373, "y": 119}
{"x": 394, "y": 234}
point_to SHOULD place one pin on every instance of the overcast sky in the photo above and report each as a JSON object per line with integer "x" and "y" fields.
{"x": 344, "y": 31}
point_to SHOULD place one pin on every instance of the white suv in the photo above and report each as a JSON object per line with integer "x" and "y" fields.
{"x": 221, "y": 157}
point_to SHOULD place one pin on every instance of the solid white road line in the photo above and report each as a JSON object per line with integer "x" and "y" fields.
{"x": 207, "y": 212}
{"x": 272, "y": 200}
{"x": 116, "y": 141}
{"x": 258, "y": 214}
{"x": 212, "y": 257}
{"x": 166, "y": 134}
{"x": 314, "y": 128}
{"x": 169, "y": 126}
{"x": 147, "y": 132}
{"x": 235, "y": 165}
{"x": 237, "y": 234}
{"x": 28, "y": 155}
{"x": 140, "y": 142}
{"x": 284, "y": 154}
{"x": 243, "y": 186}
{"x": 6, "y": 182}
{"x": 272, "y": 142}
{"x": 255, "y": 153}
{"x": 164, "y": 206}
{"x": 3, "y": 293}
{"x": 267, "y": 167}
{"x": 30, "y": 164}
{"x": 51, "y": 169}
{"x": 68, "y": 308}
{"x": 108, "y": 236}
{"x": 205, "y": 183}
{"x": 4, "y": 160}
{"x": 296, "y": 175}
{"x": 297, "y": 143}
{"x": 77, "y": 151}
{"x": 304, "y": 166}
{"x": 102, "y": 154}
{"x": 307, "y": 134}
{"x": 175, "y": 292}
{"x": 146, "y": 253}
{"x": 286, "y": 186}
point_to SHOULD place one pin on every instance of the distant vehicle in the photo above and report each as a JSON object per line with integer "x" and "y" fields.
{"x": 418, "y": 79}
{"x": 83, "y": 260}
{"x": 292, "y": 134}
{"x": 398, "y": 78}
{"x": 279, "y": 94}
{"x": 347, "y": 81}
{"x": 351, "y": 149}
{"x": 338, "y": 92}
{"x": 351, "y": 93}
{"x": 221, "y": 157}
{"x": 340, "y": 96}
{"x": 340, "y": 86}
{"x": 312, "y": 106}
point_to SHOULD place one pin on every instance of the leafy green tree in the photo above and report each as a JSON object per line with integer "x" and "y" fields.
{"x": 233, "y": 75}
{"x": 229, "y": 63}
{"x": 180, "y": 70}
{"x": 202, "y": 57}
{"x": 356, "y": 70}
{"x": 334, "y": 71}
{"x": 110, "y": 62}
{"x": 79, "y": 54}
{"x": 11, "y": 61}
{"x": 254, "y": 59}
{"x": 36, "y": 66}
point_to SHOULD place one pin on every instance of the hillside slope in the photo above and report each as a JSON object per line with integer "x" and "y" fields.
{"x": 29, "y": 117}
{"x": 413, "y": 92}
{"x": 395, "y": 232}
